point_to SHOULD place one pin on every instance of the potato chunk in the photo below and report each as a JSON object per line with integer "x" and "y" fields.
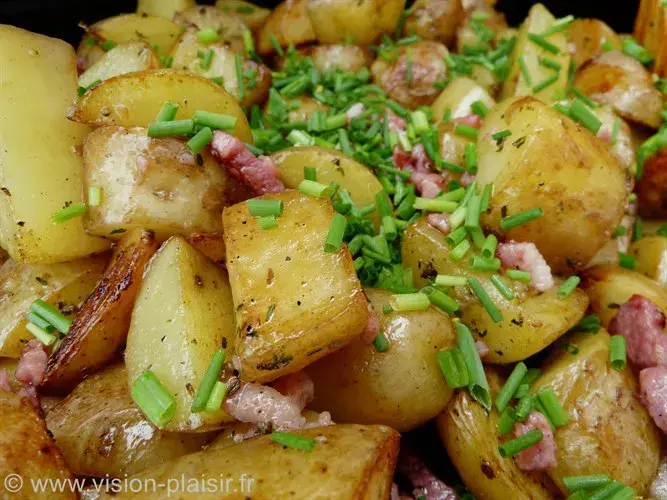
{"x": 122, "y": 59}
{"x": 40, "y": 171}
{"x": 289, "y": 23}
{"x": 182, "y": 315}
{"x": 457, "y": 98}
{"x": 587, "y": 37}
{"x": 294, "y": 302}
{"x": 651, "y": 32}
{"x": 163, "y": 8}
{"x": 650, "y": 254}
{"x": 434, "y": 20}
{"x": 253, "y": 16}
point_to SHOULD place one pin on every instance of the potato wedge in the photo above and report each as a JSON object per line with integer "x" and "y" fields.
{"x": 651, "y": 32}
{"x": 253, "y": 16}
{"x": 124, "y": 58}
{"x": 27, "y": 451}
{"x": 287, "y": 315}
{"x": 348, "y": 461}
{"x": 153, "y": 183}
{"x": 39, "y": 171}
{"x": 650, "y": 253}
{"x": 210, "y": 244}
{"x": 434, "y": 20}
{"x": 289, "y": 23}
{"x": 607, "y": 419}
{"x": 102, "y": 433}
{"x": 331, "y": 166}
{"x": 530, "y": 322}
{"x": 586, "y": 38}
{"x": 99, "y": 329}
{"x": 471, "y": 439}
{"x": 402, "y": 387}
{"x": 620, "y": 81}
{"x": 652, "y": 187}
{"x": 163, "y": 8}
{"x": 608, "y": 287}
{"x": 65, "y": 285}
{"x": 553, "y": 163}
{"x": 539, "y": 20}
{"x": 134, "y": 100}
{"x": 158, "y": 32}
{"x": 457, "y": 98}
{"x": 182, "y": 315}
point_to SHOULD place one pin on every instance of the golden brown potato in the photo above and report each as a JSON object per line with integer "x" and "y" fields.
{"x": 609, "y": 287}
{"x": 622, "y": 82}
{"x": 125, "y": 58}
{"x": 163, "y": 8}
{"x": 99, "y": 329}
{"x": 229, "y": 27}
{"x": 256, "y": 77}
{"x": 289, "y": 23}
{"x": 182, "y": 316}
{"x": 609, "y": 431}
{"x": 402, "y": 387}
{"x": 336, "y": 21}
{"x": 608, "y": 254}
{"x": 411, "y": 76}
{"x": 471, "y": 439}
{"x": 294, "y": 302}
{"x": 253, "y": 16}
{"x": 306, "y": 107}
{"x": 652, "y": 187}
{"x": 651, "y": 32}
{"x": 348, "y": 461}
{"x": 349, "y": 58}
{"x": 623, "y": 148}
{"x": 467, "y": 33}
{"x": 65, "y": 285}
{"x": 530, "y": 322}
{"x": 452, "y": 146}
{"x": 88, "y": 52}
{"x": 650, "y": 254}
{"x": 134, "y": 100}
{"x": 210, "y": 244}
{"x": 586, "y": 38}
{"x": 553, "y": 163}
{"x": 434, "y": 20}
{"x": 457, "y": 97}
{"x": 153, "y": 183}
{"x": 102, "y": 433}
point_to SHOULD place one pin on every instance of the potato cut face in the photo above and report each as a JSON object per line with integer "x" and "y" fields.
{"x": 122, "y": 59}
{"x": 294, "y": 302}
{"x": 289, "y": 23}
{"x": 154, "y": 30}
{"x": 182, "y": 315}
{"x": 650, "y": 254}
{"x": 458, "y": 97}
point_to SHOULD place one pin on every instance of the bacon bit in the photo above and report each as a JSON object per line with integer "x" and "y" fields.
{"x": 467, "y": 179}
{"x": 355, "y": 110}
{"x": 259, "y": 173}
{"x": 417, "y": 162}
{"x": 425, "y": 483}
{"x": 32, "y": 364}
{"x": 395, "y": 123}
{"x": 653, "y": 385}
{"x": 482, "y": 348}
{"x": 541, "y": 455}
{"x": 81, "y": 64}
{"x": 323, "y": 419}
{"x": 471, "y": 120}
{"x": 440, "y": 222}
{"x": 4, "y": 381}
{"x": 527, "y": 257}
{"x": 30, "y": 392}
{"x": 299, "y": 387}
{"x": 642, "y": 323}
{"x": 259, "y": 404}
{"x": 372, "y": 326}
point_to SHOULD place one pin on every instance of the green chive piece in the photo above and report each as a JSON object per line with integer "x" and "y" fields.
{"x": 477, "y": 236}
{"x": 94, "y": 196}
{"x": 153, "y": 398}
{"x": 584, "y": 98}
{"x": 547, "y": 82}
{"x": 517, "y": 275}
{"x": 336, "y": 232}
{"x": 107, "y": 45}
{"x": 484, "y": 298}
{"x": 389, "y": 229}
{"x": 80, "y": 91}
{"x": 479, "y": 108}
{"x": 472, "y": 212}
{"x": 310, "y": 174}
{"x": 268, "y": 222}
{"x": 456, "y": 236}
{"x": 626, "y": 260}
{"x": 315, "y": 189}
{"x": 509, "y": 388}
{"x": 215, "y": 121}
{"x": 248, "y": 42}
{"x": 208, "y": 381}
{"x": 479, "y": 263}
{"x": 532, "y": 375}
{"x": 419, "y": 121}
{"x": 455, "y": 195}
{"x": 626, "y": 492}
{"x": 558, "y": 25}
{"x": 208, "y": 35}
{"x": 276, "y": 45}
{"x": 459, "y": 251}
{"x": 502, "y": 287}
{"x": 466, "y": 131}
{"x": 519, "y": 219}
{"x": 172, "y": 128}
{"x": 262, "y": 208}
{"x": 524, "y": 71}
{"x": 523, "y": 442}
{"x": 380, "y": 342}
{"x": 200, "y": 140}
{"x": 51, "y": 314}
{"x": 441, "y": 300}
{"x": 238, "y": 65}
{"x": 617, "y": 352}
{"x": 40, "y": 334}
{"x": 453, "y": 367}
{"x": 486, "y": 197}
{"x": 607, "y": 491}
{"x": 217, "y": 397}
{"x": 383, "y": 203}
{"x": 501, "y": 135}
{"x": 477, "y": 383}
{"x": 435, "y": 205}
{"x": 447, "y": 280}
{"x": 409, "y": 302}
{"x": 582, "y": 114}
{"x": 207, "y": 59}
{"x": 552, "y": 405}
{"x": 290, "y": 440}
{"x": 489, "y": 247}
{"x": 566, "y": 289}
{"x": 540, "y": 41}
{"x": 505, "y": 423}
{"x": 523, "y": 407}
{"x": 70, "y": 212}
{"x": 458, "y": 217}
{"x": 631, "y": 48}
{"x": 522, "y": 391}
{"x": 540, "y": 407}
{"x": 550, "y": 63}
{"x": 167, "y": 112}
{"x": 592, "y": 482}
{"x": 37, "y": 320}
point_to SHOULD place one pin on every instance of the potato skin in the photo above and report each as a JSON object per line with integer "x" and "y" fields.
{"x": 289, "y": 23}
{"x": 253, "y": 16}
{"x": 609, "y": 430}
{"x": 125, "y": 58}
{"x": 651, "y": 32}
{"x": 551, "y": 162}
{"x": 402, "y": 387}
{"x": 652, "y": 187}
{"x": 587, "y": 36}
{"x": 427, "y": 67}
{"x": 434, "y": 20}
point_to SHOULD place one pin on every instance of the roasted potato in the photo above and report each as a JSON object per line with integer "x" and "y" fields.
{"x": 294, "y": 302}
{"x": 39, "y": 171}
{"x": 539, "y": 20}
{"x": 452, "y": 146}
{"x": 608, "y": 254}
{"x": 553, "y": 163}
{"x": 623, "y": 147}
{"x": 3, "y": 256}
{"x": 253, "y": 16}
{"x": 289, "y": 23}
{"x": 434, "y": 20}
{"x": 125, "y": 58}
{"x": 182, "y": 316}
{"x": 530, "y": 322}
{"x": 99, "y": 329}
{"x": 163, "y": 8}
{"x": 622, "y": 82}
{"x": 210, "y": 244}
{"x": 609, "y": 431}
{"x": 64, "y": 285}
{"x": 652, "y": 187}
{"x": 199, "y": 17}
{"x": 411, "y": 76}
{"x": 134, "y": 100}
{"x": 651, "y": 32}
{"x": 348, "y": 461}
{"x": 587, "y": 37}
{"x": 650, "y": 253}
{"x": 350, "y": 58}
{"x": 467, "y": 34}
{"x": 88, "y": 52}
{"x": 256, "y": 77}
{"x": 102, "y": 433}
{"x": 457, "y": 98}
{"x": 402, "y": 387}
{"x": 306, "y": 106}
{"x": 609, "y": 287}
{"x": 28, "y": 452}
{"x": 471, "y": 439}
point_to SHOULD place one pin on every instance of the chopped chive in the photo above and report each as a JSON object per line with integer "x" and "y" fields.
{"x": 217, "y": 397}
{"x": 619, "y": 231}
{"x": 435, "y": 205}
{"x": 441, "y": 300}
{"x": 638, "y": 232}
{"x": 215, "y": 121}
{"x": 206, "y": 59}
{"x": 389, "y": 229}
{"x": 408, "y": 67}
{"x": 631, "y": 48}
{"x": 268, "y": 222}
{"x": 316, "y": 189}
{"x": 410, "y": 302}
{"x": 540, "y": 407}
{"x": 336, "y": 232}
{"x": 540, "y": 41}
{"x": 248, "y": 42}
{"x": 344, "y": 141}
{"x": 276, "y": 46}
{"x": 532, "y": 375}
{"x": 547, "y": 82}
{"x": 586, "y": 100}
{"x": 489, "y": 247}
{"x": 518, "y": 275}
{"x": 359, "y": 263}
{"x": 40, "y": 334}
{"x": 336, "y": 121}
{"x": 218, "y": 80}
{"x": 522, "y": 391}
{"x": 568, "y": 287}
{"x": 477, "y": 383}
{"x": 502, "y": 287}
{"x": 552, "y": 405}
{"x": 479, "y": 263}
{"x": 486, "y": 197}
{"x": 82, "y": 90}
{"x": 153, "y": 398}
{"x": 484, "y": 298}
{"x": 524, "y": 406}
{"x": 524, "y": 71}
{"x": 290, "y": 440}
{"x": 625, "y": 492}
{"x": 466, "y": 131}
{"x": 200, "y": 140}
{"x": 456, "y": 236}
{"x": 550, "y": 63}
{"x": 207, "y": 35}
{"x": 453, "y": 367}
{"x": 518, "y": 444}
{"x": 519, "y": 219}
{"x": 263, "y": 208}
{"x": 208, "y": 381}
{"x": 558, "y": 25}
{"x": 626, "y": 260}
{"x": 472, "y": 212}
{"x": 69, "y": 212}
{"x": 582, "y": 114}
{"x": 477, "y": 236}
{"x": 606, "y": 491}
{"x": 107, "y": 45}
{"x": 380, "y": 342}
{"x": 40, "y": 322}
{"x": 501, "y": 135}
{"x": 94, "y": 196}
{"x": 238, "y": 65}
{"x": 419, "y": 121}
{"x": 91, "y": 42}
{"x": 310, "y": 174}
{"x": 509, "y": 388}
{"x": 300, "y": 138}
{"x": 383, "y": 203}
{"x": 446, "y": 280}
{"x": 458, "y": 217}
{"x": 617, "y": 352}
{"x": 455, "y": 195}
{"x": 174, "y": 127}
{"x": 479, "y": 108}
{"x": 167, "y": 112}
{"x": 459, "y": 251}
{"x": 592, "y": 482}
{"x": 505, "y": 423}
{"x": 470, "y": 157}
{"x": 589, "y": 323}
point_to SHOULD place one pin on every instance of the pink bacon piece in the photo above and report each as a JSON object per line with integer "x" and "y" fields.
{"x": 32, "y": 364}
{"x": 653, "y": 385}
{"x": 424, "y": 482}
{"x": 541, "y": 455}
{"x": 440, "y": 222}
{"x": 298, "y": 386}
{"x": 527, "y": 257}
{"x": 4, "y": 381}
{"x": 372, "y": 327}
